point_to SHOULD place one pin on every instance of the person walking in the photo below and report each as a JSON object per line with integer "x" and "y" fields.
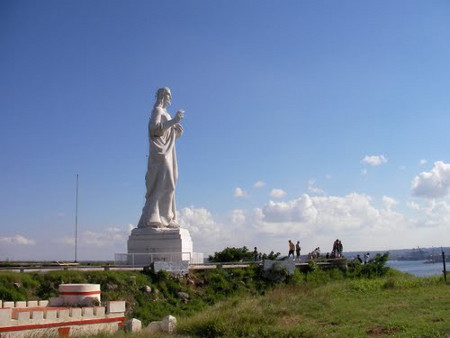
{"x": 291, "y": 249}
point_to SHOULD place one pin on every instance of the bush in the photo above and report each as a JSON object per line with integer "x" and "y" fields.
{"x": 271, "y": 256}
{"x": 297, "y": 278}
{"x": 376, "y": 267}
{"x": 240, "y": 254}
{"x": 10, "y": 294}
{"x": 17, "y": 286}
{"x": 232, "y": 255}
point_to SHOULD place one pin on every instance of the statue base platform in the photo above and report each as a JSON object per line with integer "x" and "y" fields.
{"x": 147, "y": 245}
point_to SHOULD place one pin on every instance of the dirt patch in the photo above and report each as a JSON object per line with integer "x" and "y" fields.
{"x": 328, "y": 323}
{"x": 380, "y": 331}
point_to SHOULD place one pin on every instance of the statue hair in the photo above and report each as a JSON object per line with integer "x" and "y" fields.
{"x": 160, "y": 96}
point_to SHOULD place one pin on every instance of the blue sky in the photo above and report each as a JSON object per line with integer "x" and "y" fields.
{"x": 305, "y": 120}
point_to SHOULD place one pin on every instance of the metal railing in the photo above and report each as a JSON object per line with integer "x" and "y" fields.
{"x": 149, "y": 257}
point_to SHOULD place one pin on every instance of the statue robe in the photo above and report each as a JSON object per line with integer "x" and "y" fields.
{"x": 162, "y": 173}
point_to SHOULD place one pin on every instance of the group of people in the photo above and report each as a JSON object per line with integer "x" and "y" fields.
{"x": 337, "y": 249}
{"x": 315, "y": 254}
{"x": 294, "y": 247}
{"x": 336, "y": 252}
{"x": 294, "y": 251}
{"x": 366, "y": 258}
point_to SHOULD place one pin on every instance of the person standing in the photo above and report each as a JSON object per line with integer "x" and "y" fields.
{"x": 334, "y": 252}
{"x": 297, "y": 250}
{"x": 366, "y": 258}
{"x": 340, "y": 248}
{"x": 255, "y": 254}
{"x": 291, "y": 249}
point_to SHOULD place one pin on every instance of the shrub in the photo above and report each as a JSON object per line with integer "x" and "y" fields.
{"x": 232, "y": 255}
{"x": 10, "y": 294}
{"x": 271, "y": 256}
{"x": 14, "y": 286}
{"x": 239, "y": 254}
{"x": 376, "y": 267}
{"x": 297, "y": 278}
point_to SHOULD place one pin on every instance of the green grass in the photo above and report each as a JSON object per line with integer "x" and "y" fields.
{"x": 204, "y": 289}
{"x": 239, "y": 302}
{"x": 398, "y": 305}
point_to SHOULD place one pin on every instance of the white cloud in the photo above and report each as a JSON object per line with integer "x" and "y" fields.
{"x": 359, "y": 221}
{"x": 434, "y": 183}
{"x": 238, "y": 216}
{"x": 107, "y": 237}
{"x": 277, "y": 193}
{"x": 207, "y": 234}
{"x": 389, "y": 202}
{"x": 313, "y": 189}
{"x": 110, "y": 235}
{"x": 438, "y": 214}
{"x": 413, "y": 206}
{"x": 299, "y": 210}
{"x": 259, "y": 184}
{"x": 196, "y": 218}
{"x": 423, "y": 161}
{"x": 318, "y": 221}
{"x": 17, "y": 240}
{"x": 332, "y": 214}
{"x": 239, "y": 193}
{"x": 66, "y": 240}
{"x": 374, "y": 160}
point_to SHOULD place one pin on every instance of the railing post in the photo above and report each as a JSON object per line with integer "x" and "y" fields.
{"x": 445, "y": 268}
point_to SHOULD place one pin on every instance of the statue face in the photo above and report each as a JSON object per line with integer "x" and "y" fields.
{"x": 167, "y": 99}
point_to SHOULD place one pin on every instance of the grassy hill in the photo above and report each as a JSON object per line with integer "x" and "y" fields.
{"x": 363, "y": 301}
{"x": 396, "y": 305}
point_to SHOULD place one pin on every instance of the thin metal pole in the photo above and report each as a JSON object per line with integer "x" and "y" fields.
{"x": 76, "y": 222}
{"x": 445, "y": 268}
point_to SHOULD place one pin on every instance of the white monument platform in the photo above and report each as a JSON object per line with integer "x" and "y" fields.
{"x": 147, "y": 245}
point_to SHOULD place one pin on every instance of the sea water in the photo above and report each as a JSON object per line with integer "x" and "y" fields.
{"x": 418, "y": 268}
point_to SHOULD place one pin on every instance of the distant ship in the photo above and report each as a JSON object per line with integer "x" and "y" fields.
{"x": 434, "y": 258}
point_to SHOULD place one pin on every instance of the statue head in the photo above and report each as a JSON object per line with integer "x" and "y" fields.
{"x": 163, "y": 97}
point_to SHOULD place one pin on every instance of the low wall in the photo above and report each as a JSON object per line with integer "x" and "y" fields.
{"x": 38, "y": 318}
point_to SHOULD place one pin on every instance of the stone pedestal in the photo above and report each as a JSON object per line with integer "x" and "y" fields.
{"x": 146, "y": 245}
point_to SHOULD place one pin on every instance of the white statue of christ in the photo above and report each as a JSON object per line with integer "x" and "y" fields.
{"x": 162, "y": 170}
